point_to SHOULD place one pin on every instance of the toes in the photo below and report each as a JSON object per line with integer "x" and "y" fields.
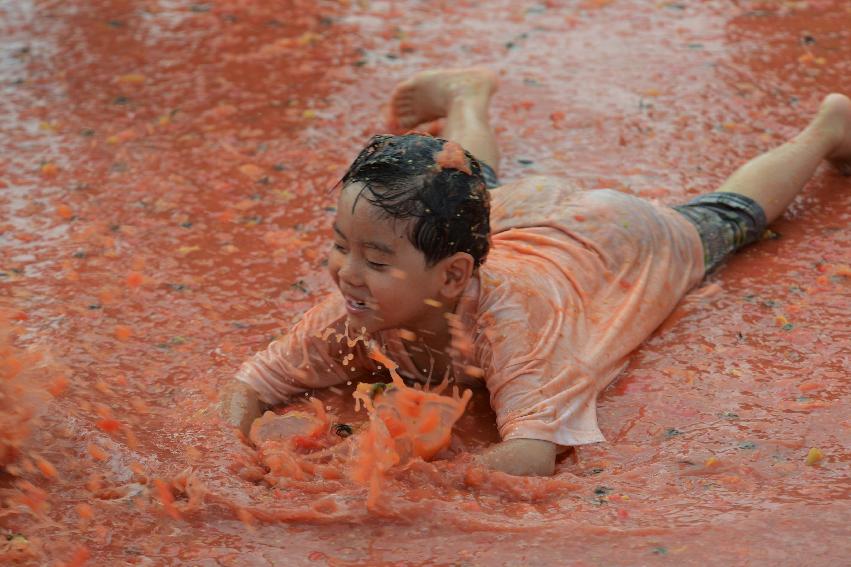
{"x": 401, "y": 99}
{"x": 405, "y": 112}
{"x": 393, "y": 121}
{"x": 398, "y": 118}
{"x": 403, "y": 91}
{"x": 406, "y": 122}
{"x": 402, "y": 112}
{"x": 403, "y": 106}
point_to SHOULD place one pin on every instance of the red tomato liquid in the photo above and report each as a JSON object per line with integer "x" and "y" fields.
{"x": 165, "y": 175}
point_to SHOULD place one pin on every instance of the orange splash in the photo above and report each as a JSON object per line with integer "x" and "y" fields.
{"x": 166, "y": 498}
{"x": 20, "y": 394}
{"x": 404, "y": 424}
{"x": 292, "y": 446}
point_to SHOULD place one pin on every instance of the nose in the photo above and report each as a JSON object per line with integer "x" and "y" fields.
{"x": 348, "y": 271}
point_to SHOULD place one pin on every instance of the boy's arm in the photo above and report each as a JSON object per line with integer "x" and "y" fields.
{"x": 239, "y": 405}
{"x": 521, "y": 457}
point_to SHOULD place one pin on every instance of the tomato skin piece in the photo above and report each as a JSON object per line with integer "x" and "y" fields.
{"x": 58, "y": 386}
{"x": 97, "y": 453}
{"x": 134, "y": 279}
{"x": 123, "y": 332}
{"x": 65, "y": 212}
{"x": 452, "y": 157}
{"x": 46, "y": 468}
{"x": 85, "y": 511}
{"x": 814, "y": 456}
{"x": 81, "y": 557}
{"x": 109, "y": 425}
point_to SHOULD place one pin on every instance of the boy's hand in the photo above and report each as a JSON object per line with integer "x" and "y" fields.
{"x": 521, "y": 457}
{"x": 239, "y": 405}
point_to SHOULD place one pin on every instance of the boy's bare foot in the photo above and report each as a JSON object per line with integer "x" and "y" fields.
{"x": 835, "y": 114}
{"x": 428, "y": 95}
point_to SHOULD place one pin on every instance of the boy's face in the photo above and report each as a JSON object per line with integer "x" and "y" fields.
{"x": 383, "y": 278}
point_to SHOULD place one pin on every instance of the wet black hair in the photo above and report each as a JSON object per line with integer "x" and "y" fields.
{"x": 450, "y": 209}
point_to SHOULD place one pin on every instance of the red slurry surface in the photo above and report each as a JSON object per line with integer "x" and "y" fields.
{"x": 164, "y": 210}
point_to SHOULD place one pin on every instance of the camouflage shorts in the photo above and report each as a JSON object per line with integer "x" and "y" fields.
{"x": 491, "y": 180}
{"x": 725, "y": 222}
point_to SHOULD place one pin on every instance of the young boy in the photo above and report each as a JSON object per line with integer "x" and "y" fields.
{"x": 573, "y": 282}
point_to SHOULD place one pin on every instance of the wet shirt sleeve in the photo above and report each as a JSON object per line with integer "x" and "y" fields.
{"x": 315, "y": 353}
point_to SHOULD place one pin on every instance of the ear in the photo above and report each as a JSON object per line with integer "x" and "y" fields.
{"x": 456, "y": 271}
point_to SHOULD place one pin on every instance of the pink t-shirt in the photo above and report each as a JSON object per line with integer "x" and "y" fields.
{"x": 574, "y": 282}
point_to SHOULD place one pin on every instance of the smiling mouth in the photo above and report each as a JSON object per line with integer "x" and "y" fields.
{"x": 355, "y": 306}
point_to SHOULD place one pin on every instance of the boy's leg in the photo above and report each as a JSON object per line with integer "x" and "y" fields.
{"x": 759, "y": 191}
{"x": 462, "y": 96}
{"x": 773, "y": 179}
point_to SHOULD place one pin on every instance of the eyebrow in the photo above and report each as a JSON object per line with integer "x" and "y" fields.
{"x": 381, "y": 247}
